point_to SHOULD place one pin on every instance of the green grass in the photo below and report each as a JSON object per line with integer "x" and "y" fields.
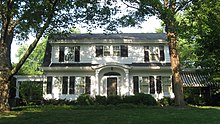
{"x": 111, "y": 115}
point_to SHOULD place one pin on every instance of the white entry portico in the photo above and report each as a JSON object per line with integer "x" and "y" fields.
{"x": 112, "y": 75}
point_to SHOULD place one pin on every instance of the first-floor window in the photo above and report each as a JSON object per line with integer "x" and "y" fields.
{"x": 76, "y": 85}
{"x": 144, "y": 87}
{"x": 80, "y": 85}
{"x": 166, "y": 84}
{"x": 154, "y": 84}
{"x": 49, "y": 85}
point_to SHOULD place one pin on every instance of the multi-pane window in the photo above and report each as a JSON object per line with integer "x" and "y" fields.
{"x": 144, "y": 87}
{"x": 76, "y": 85}
{"x": 49, "y": 85}
{"x": 151, "y": 84}
{"x": 154, "y": 53}
{"x": 166, "y": 84}
{"x": 116, "y": 51}
{"x": 69, "y": 53}
{"x": 112, "y": 50}
{"x": 106, "y": 50}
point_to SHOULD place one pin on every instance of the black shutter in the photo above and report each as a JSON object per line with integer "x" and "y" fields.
{"x": 88, "y": 83}
{"x": 124, "y": 51}
{"x": 64, "y": 85}
{"x": 162, "y": 57}
{"x": 61, "y": 54}
{"x": 135, "y": 83}
{"x": 49, "y": 85}
{"x": 146, "y": 56}
{"x": 77, "y": 53}
{"x": 99, "y": 51}
{"x": 152, "y": 85}
{"x": 72, "y": 85}
{"x": 158, "y": 84}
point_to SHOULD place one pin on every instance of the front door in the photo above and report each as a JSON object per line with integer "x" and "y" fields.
{"x": 111, "y": 86}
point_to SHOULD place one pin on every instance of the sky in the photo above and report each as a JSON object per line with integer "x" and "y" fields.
{"x": 147, "y": 27}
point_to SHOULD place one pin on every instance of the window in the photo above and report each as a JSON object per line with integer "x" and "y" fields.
{"x": 166, "y": 84}
{"x": 67, "y": 53}
{"x": 49, "y": 85}
{"x": 109, "y": 50}
{"x": 136, "y": 84}
{"x": 144, "y": 87}
{"x": 65, "y": 85}
{"x": 116, "y": 51}
{"x": 154, "y": 53}
{"x": 76, "y": 85}
{"x": 106, "y": 50}
{"x": 80, "y": 85}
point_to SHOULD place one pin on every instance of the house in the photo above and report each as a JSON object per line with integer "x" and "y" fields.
{"x": 101, "y": 64}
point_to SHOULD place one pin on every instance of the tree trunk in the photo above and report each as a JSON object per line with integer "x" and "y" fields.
{"x": 175, "y": 64}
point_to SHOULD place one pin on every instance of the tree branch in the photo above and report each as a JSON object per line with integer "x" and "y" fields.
{"x": 38, "y": 36}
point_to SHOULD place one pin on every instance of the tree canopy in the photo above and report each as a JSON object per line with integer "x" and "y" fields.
{"x": 200, "y": 28}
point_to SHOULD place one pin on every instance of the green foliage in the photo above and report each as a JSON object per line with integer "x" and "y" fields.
{"x": 114, "y": 100}
{"x": 166, "y": 101}
{"x": 100, "y": 100}
{"x": 32, "y": 64}
{"x": 31, "y": 91}
{"x": 145, "y": 99}
{"x": 85, "y": 99}
{"x": 200, "y": 26}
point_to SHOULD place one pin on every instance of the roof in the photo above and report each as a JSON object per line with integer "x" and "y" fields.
{"x": 133, "y": 36}
{"x": 196, "y": 79}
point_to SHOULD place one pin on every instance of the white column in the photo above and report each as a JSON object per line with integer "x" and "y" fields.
{"x": 97, "y": 82}
{"x": 17, "y": 89}
{"x": 127, "y": 84}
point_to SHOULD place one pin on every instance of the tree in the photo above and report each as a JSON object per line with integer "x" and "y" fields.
{"x": 201, "y": 25}
{"x": 166, "y": 11}
{"x": 19, "y": 18}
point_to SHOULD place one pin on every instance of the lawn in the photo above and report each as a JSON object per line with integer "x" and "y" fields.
{"x": 111, "y": 115}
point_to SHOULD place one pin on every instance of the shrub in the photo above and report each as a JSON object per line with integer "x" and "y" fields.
{"x": 166, "y": 101}
{"x": 130, "y": 100}
{"x": 114, "y": 100}
{"x": 85, "y": 99}
{"x": 100, "y": 100}
{"x": 145, "y": 99}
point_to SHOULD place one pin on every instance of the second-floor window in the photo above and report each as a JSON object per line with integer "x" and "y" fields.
{"x": 154, "y": 53}
{"x": 112, "y": 50}
{"x": 69, "y": 53}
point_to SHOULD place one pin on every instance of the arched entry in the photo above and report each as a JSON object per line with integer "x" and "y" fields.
{"x": 112, "y": 79}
